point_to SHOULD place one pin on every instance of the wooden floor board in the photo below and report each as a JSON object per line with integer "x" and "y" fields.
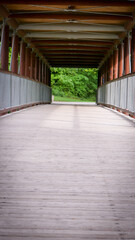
{"x": 67, "y": 172}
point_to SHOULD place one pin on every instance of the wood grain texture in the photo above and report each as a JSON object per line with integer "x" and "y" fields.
{"x": 67, "y": 172}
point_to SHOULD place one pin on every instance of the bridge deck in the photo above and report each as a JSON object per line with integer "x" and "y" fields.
{"x": 67, "y": 172}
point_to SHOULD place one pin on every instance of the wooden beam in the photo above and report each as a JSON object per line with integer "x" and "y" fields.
{"x": 71, "y": 16}
{"x": 14, "y": 24}
{"x": 83, "y": 52}
{"x": 71, "y": 42}
{"x": 133, "y": 51}
{"x": 75, "y": 59}
{"x": 53, "y": 35}
{"x": 128, "y": 26}
{"x": 73, "y": 27}
{"x": 92, "y": 65}
{"x": 72, "y": 57}
{"x": 90, "y": 48}
{"x": 98, "y": 3}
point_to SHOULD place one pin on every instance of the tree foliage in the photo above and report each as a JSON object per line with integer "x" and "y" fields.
{"x": 77, "y": 82}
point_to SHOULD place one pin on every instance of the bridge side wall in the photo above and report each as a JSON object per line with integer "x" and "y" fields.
{"x": 17, "y": 91}
{"x": 119, "y": 94}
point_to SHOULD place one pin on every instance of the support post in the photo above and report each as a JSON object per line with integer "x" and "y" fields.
{"x": 14, "y": 56}
{"x": 32, "y": 65}
{"x": 106, "y": 72}
{"x": 22, "y": 58}
{"x": 4, "y": 47}
{"x": 99, "y": 78}
{"x": 133, "y": 50}
{"x": 36, "y": 67}
{"x": 127, "y": 55}
{"x": 49, "y": 77}
{"x": 115, "y": 67}
{"x": 27, "y": 62}
{"x": 121, "y": 60}
{"x": 111, "y": 67}
{"x": 39, "y": 70}
{"x": 42, "y": 71}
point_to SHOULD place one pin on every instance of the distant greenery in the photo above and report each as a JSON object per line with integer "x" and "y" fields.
{"x": 74, "y": 83}
{"x": 71, "y": 99}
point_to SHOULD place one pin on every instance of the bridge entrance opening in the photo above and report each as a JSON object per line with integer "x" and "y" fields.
{"x": 74, "y": 84}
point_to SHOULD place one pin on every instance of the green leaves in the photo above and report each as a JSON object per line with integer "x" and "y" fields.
{"x": 78, "y": 82}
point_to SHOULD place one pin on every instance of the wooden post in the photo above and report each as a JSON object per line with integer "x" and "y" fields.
{"x": 39, "y": 70}
{"x": 32, "y": 63}
{"x": 133, "y": 50}
{"x": 14, "y": 57}
{"x": 121, "y": 60}
{"x": 115, "y": 66}
{"x": 127, "y": 55}
{"x": 4, "y": 47}
{"x": 99, "y": 78}
{"x": 27, "y": 62}
{"x": 36, "y": 67}
{"x": 111, "y": 68}
{"x": 22, "y": 58}
{"x": 42, "y": 71}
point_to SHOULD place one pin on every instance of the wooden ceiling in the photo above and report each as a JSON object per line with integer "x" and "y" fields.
{"x": 71, "y": 33}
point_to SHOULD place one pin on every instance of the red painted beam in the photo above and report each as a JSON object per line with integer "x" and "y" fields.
{"x": 75, "y": 42}
{"x": 4, "y": 47}
{"x": 126, "y": 55}
{"x": 74, "y": 47}
{"x": 14, "y": 57}
{"x": 27, "y": 62}
{"x": 36, "y": 68}
{"x": 133, "y": 50}
{"x": 22, "y": 58}
{"x": 69, "y": 16}
{"x": 121, "y": 60}
{"x": 40, "y": 70}
{"x": 74, "y": 52}
{"x": 111, "y": 68}
{"x": 32, "y": 65}
{"x": 99, "y": 3}
{"x": 115, "y": 66}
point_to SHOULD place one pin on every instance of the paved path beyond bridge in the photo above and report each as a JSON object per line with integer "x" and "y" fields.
{"x": 66, "y": 173}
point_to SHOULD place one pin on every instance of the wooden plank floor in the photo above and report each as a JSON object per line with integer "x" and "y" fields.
{"x": 67, "y": 172}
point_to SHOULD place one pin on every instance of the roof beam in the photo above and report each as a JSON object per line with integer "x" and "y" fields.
{"x": 74, "y": 65}
{"x": 74, "y": 27}
{"x": 74, "y": 52}
{"x": 92, "y": 48}
{"x": 128, "y": 26}
{"x": 14, "y": 24}
{"x": 72, "y": 42}
{"x": 98, "y": 3}
{"x": 76, "y": 56}
{"x": 71, "y": 35}
{"x": 71, "y": 16}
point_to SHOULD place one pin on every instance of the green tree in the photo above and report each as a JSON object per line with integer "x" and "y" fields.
{"x": 75, "y": 82}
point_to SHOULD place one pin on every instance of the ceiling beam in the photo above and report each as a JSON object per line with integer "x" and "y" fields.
{"x": 14, "y": 24}
{"x": 74, "y": 27}
{"x": 102, "y": 3}
{"x": 72, "y": 42}
{"x": 70, "y": 16}
{"x": 128, "y": 26}
{"x": 73, "y": 60}
{"x": 87, "y": 53}
{"x": 92, "y": 48}
{"x": 71, "y": 35}
{"x": 74, "y": 65}
{"x": 68, "y": 56}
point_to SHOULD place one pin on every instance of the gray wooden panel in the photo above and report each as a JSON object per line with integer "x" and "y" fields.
{"x": 5, "y": 91}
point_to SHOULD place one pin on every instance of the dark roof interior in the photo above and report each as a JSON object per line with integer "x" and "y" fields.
{"x": 71, "y": 33}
